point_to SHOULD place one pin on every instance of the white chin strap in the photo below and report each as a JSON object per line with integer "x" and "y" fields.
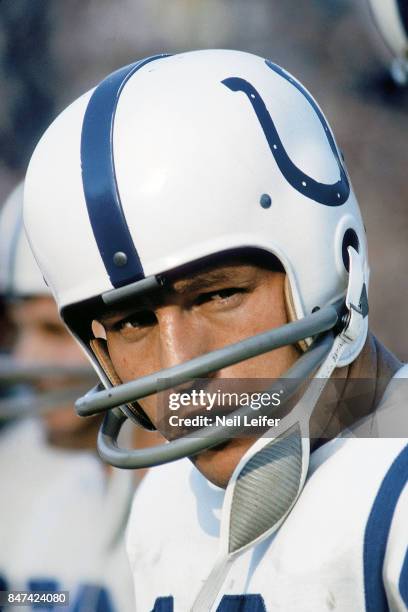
{"x": 268, "y": 480}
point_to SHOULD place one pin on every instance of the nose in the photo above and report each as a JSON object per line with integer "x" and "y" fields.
{"x": 180, "y": 340}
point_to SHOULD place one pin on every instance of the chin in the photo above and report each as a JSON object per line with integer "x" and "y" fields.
{"x": 218, "y": 463}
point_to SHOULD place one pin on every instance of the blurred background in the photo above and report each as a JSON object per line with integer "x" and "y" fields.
{"x": 51, "y": 51}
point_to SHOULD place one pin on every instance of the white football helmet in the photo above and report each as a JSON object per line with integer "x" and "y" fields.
{"x": 20, "y": 275}
{"x": 20, "y": 278}
{"x": 174, "y": 159}
{"x": 391, "y": 19}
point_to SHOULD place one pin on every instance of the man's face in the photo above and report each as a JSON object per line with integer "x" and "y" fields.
{"x": 41, "y": 338}
{"x": 192, "y": 316}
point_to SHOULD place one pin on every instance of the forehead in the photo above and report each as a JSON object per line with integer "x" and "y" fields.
{"x": 206, "y": 275}
{"x": 222, "y": 267}
{"x": 210, "y": 275}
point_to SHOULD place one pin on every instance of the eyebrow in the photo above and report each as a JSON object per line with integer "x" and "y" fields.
{"x": 202, "y": 281}
{"x": 198, "y": 282}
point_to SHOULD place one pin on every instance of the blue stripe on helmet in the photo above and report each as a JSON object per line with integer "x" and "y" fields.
{"x": 99, "y": 180}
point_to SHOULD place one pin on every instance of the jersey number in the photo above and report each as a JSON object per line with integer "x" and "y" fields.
{"x": 229, "y": 603}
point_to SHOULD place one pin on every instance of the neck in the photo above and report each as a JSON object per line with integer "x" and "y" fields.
{"x": 353, "y": 392}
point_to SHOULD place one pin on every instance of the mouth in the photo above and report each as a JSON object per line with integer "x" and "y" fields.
{"x": 229, "y": 405}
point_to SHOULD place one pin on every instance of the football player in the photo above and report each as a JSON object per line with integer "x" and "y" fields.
{"x": 63, "y": 513}
{"x": 194, "y": 219}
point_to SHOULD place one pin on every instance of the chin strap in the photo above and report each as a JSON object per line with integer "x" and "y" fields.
{"x": 268, "y": 480}
{"x": 356, "y": 297}
{"x": 266, "y": 483}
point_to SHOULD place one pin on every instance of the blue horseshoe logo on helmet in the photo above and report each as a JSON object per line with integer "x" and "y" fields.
{"x": 330, "y": 195}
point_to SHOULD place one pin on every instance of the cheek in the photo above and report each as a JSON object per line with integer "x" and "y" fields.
{"x": 65, "y": 351}
{"x": 266, "y": 310}
{"x": 129, "y": 364}
{"x": 269, "y": 366}
{"x": 269, "y": 304}
{"x": 119, "y": 359}
{"x": 129, "y": 360}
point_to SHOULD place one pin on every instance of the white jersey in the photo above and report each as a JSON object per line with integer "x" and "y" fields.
{"x": 343, "y": 547}
{"x": 62, "y": 523}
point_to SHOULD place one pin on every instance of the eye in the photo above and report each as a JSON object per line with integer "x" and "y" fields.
{"x": 53, "y": 329}
{"x": 220, "y": 295}
{"x": 136, "y": 321}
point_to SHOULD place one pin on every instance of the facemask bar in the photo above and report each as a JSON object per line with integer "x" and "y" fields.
{"x": 342, "y": 318}
{"x": 13, "y": 371}
{"x": 28, "y": 402}
{"x": 208, "y": 437}
{"x": 323, "y": 320}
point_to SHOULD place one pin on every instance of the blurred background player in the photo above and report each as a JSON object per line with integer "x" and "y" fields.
{"x": 63, "y": 512}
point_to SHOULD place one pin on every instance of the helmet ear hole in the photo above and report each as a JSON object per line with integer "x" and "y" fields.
{"x": 350, "y": 238}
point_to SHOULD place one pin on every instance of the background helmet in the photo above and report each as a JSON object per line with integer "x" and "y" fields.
{"x": 178, "y": 158}
{"x": 391, "y": 19}
{"x": 20, "y": 275}
{"x": 20, "y": 278}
